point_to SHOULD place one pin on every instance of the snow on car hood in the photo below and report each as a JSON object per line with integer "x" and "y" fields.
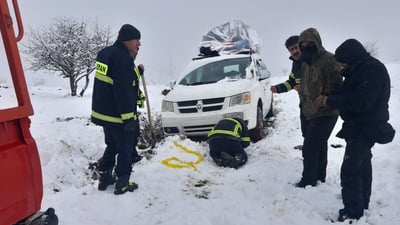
{"x": 223, "y": 88}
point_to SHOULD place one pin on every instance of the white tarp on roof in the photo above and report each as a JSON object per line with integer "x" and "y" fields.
{"x": 230, "y": 38}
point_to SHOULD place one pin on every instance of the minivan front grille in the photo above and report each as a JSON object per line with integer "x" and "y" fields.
{"x": 187, "y": 103}
{"x": 203, "y": 105}
{"x": 196, "y": 129}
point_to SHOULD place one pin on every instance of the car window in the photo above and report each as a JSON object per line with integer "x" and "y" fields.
{"x": 216, "y": 71}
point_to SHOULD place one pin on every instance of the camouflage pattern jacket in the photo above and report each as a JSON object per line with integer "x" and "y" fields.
{"x": 320, "y": 76}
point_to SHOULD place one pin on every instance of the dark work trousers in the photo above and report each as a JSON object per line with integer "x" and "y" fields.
{"x": 356, "y": 175}
{"x": 303, "y": 122}
{"x": 120, "y": 144}
{"x": 315, "y": 148}
{"x": 232, "y": 147}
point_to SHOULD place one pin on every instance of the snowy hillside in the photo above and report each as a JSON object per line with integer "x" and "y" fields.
{"x": 261, "y": 192}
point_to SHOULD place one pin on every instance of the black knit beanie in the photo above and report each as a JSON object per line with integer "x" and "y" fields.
{"x": 128, "y": 32}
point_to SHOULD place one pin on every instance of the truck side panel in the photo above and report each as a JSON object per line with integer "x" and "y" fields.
{"x": 20, "y": 172}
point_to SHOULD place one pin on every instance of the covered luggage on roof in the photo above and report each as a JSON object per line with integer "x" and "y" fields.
{"x": 230, "y": 38}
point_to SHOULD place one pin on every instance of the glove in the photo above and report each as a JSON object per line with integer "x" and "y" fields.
{"x": 141, "y": 69}
{"x": 140, "y": 103}
{"x": 320, "y": 101}
{"x": 130, "y": 125}
{"x": 141, "y": 99}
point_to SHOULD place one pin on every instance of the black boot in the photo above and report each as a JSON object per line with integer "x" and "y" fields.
{"x": 302, "y": 184}
{"x": 136, "y": 158}
{"x": 51, "y": 217}
{"x": 106, "y": 178}
{"x": 123, "y": 185}
{"x": 346, "y": 215}
{"x": 42, "y": 218}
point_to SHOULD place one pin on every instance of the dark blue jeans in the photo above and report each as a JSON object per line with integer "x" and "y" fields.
{"x": 119, "y": 144}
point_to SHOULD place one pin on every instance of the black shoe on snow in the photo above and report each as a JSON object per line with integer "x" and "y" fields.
{"x": 48, "y": 217}
{"x": 303, "y": 184}
{"x": 123, "y": 185}
{"x": 106, "y": 178}
{"x": 226, "y": 156}
{"x": 51, "y": 217}
{"x": 131, "y": 186}
{"x": 344, "y": 215}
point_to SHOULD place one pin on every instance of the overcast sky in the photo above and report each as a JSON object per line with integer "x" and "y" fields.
{"x": 172, "y": 29}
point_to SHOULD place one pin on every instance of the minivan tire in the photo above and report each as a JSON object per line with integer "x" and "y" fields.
{"x": 257, "y": 133}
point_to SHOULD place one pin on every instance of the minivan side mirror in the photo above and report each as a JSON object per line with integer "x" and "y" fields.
{"x": 172, "y": 84}
{"x": 165, "y": 92}
{"x": 265, "y": 74}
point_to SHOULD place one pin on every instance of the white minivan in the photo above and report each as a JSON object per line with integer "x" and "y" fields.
{"x": 215, "y": 87}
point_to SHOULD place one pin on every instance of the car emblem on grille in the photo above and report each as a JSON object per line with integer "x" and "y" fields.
{"x": 199, "y": 106}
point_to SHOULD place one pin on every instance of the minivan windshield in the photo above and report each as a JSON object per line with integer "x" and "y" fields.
{"x": 216, "y": 71}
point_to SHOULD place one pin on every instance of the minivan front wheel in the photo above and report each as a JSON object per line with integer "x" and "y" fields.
{"x": 257, "y": 133}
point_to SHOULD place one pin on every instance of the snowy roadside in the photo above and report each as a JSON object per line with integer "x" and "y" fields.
{"x": 259, "y": 193}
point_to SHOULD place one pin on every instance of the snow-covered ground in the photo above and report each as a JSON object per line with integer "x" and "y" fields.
{"x": 261, "y": 192}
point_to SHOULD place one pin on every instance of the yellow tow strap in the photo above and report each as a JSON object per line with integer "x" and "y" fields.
{"x": 178, "y": 164}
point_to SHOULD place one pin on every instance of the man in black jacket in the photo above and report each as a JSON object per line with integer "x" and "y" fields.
{"x": 114, "y": 102}
{"x": 363, "y": 105}
{"x": 227, "y": 141}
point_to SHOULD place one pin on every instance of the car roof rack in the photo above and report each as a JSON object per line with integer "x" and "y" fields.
{"x": 203, "y": 56}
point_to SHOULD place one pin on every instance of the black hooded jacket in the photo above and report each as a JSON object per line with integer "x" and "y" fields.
{"x": 363, "y": 99}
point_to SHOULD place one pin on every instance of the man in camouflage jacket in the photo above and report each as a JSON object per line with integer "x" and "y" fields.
{"x": 320, "y": 76}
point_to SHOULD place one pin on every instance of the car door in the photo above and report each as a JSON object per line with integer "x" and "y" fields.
{"x": 264, "y": 77}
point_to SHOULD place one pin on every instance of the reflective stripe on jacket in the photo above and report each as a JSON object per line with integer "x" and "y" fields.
{"x": 293, "y": 80}
{"x": 232, "y": 128}
{"x": 141, "y": 96}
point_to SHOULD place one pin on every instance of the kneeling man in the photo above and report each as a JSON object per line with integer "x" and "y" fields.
{"x": 227, "y": 141}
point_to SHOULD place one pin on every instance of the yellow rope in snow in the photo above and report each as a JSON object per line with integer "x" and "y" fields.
{"x": 177, "y": 163}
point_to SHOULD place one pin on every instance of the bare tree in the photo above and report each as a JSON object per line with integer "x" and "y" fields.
{"x": 68, "y": 47}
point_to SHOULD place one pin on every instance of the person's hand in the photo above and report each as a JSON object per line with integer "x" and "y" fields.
{"x": 297, "y": 87}
{"x": 141, "y": 69}
{"x": 273, "y": 89}
{"x": 320, "y": 101}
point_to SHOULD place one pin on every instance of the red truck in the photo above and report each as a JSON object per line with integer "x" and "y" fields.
{"x": 21, "y": 187}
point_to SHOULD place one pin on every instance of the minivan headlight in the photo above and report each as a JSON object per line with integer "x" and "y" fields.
{"x": 240, "y": 99}
{"x": 167, "y": 106}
